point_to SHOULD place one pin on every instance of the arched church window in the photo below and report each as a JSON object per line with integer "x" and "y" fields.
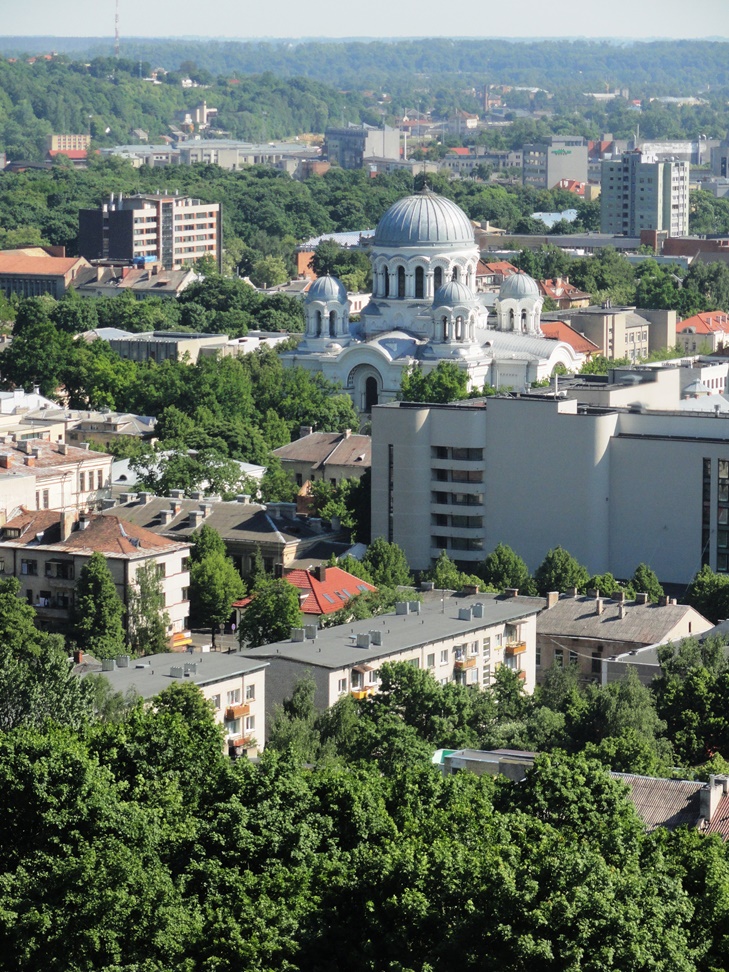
{"x": 318, "y": 323}
{"x": 387, "y": 282}
{"x": 445, "y": 328}
{"x": 401, "y": 282}
{"x": 459, "y": 328}
{"x": 454, "y": 275}
{"x": 438, "y": 277}
{"x": 524, "y": 321}
{"x": 371, "y": 393}
{"x": 419, "y": 283}
{"x": 511, "y": 319}
{"x": 332, "y": 323}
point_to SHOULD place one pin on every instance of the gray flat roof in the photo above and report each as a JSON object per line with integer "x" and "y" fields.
{"x": 151, "y": 675}
{"x": 438, "y": 619}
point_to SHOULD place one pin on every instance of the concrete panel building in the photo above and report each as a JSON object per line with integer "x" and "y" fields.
{"x": 349, "y": 146}
{"x": 640, "y": 193}
{"x": 546, "y": 164}
{"x": 461, "y": 639}
{"x": 170, "y": 230}
{"x": 234, "y": 685}
{"x": 536, "y": 472}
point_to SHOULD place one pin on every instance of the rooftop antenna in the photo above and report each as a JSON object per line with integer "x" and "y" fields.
{"x": 116, "y": 30}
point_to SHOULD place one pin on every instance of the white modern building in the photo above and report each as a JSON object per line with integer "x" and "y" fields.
{"x": 614, "y": 486}
{"x": 424, "y": 310}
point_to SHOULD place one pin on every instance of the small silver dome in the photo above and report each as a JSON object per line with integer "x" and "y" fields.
{"x": 453, "y": 293}
{"x": 517, "y": 286}
{"x": 424, "y": 219}
{"x": 327, "y": 288}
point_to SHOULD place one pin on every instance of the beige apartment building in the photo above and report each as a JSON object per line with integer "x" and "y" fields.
{"x": 234, "y": 684}
{"x": 622, "y": 332}
{"x": 457, "y": 638}
{"x": 46, "y": 550}
{"x": 43, "y": 475}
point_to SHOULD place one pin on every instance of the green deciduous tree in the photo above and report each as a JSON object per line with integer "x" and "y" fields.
{"x": 147, "y": 620}
{"x": 645, "y": 581}
{"x": 559, "y": 571}
{"x": 386, "y": 564}
{"x": 98, "y": 610}
{"x": 446, "y": 383}
{"x": 504, "y": 568}
{"x": 273, "y": 611}
{"x": 214, "y": 585}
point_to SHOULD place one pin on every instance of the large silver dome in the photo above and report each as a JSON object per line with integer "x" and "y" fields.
{"x": 424, "y": 219}
{"x": 327, "y": 288}
{"x": 517, "y": 286}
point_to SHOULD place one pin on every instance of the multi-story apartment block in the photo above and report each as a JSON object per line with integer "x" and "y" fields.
{"x": 169, "y": 230}
{"x": 622, "y": 332}
{"x": 234, "y": 685}
{"x": 67, "y": 143}
{"x": 46, "y": 550}
{"x": 545, "y": 164}
{"x": 348, "y": 147}
{"x": 461, "y": 639}
{"x": 641, "y": 193}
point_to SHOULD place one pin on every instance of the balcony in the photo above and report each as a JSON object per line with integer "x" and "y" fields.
{"x": 237, "y": 745}
{"x": 234, "y": 712}
{"x": 515, "y": 647}
{"x": 363, "y": 693}
{"x": 461, "y": 664}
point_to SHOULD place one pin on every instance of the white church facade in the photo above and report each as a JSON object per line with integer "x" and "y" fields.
{"x": 424, "y": 310}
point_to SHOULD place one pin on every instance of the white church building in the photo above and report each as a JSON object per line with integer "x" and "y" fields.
{"x": 424, "y": 310}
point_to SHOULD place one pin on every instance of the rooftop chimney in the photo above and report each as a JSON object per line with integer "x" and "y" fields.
{"x": 641, "y": 598}
{"x": 63, "y": 448}
{"x": 511, "y": 592}
{"x": 320, "y": 572}
{"x": 66, "y": 522}
{"x": 599, "y": 605}
{"x": 305, "y": 430}
{"x": 552, "y": 599}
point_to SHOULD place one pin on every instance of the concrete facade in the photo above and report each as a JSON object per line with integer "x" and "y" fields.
{"x": 235, "y": 686}
{"x": 534, "y": 473}
{"x": 170, "y": 230}
{"x": 640, "y": 193}
{"x": 461, "y": 639}
{"x": 546, "y": 164}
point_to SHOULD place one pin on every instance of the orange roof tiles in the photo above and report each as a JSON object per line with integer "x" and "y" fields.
{"x": 708, "y": 322}
{"x": 560, "y": 331}
{"x": 37, "y": 266}
{"x": 501, "y": 266}
{"x": 560, "y": 287}
{"x": 322, "y": 596}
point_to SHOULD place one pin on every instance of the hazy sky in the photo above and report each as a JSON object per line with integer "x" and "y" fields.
{"x": 373, "y": 18}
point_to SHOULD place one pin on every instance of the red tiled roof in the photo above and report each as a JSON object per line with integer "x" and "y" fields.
{"x": 69, "y": 153}
{"x": 709, "y": 322}
{"x": 322, "y": 597}
{"x": 560, "y": 331}
{"x": 560, "y": 288}
{"x": 459, "y": 150}
{"x": 501, "y": 266}
{"x": 327, "y": 596}
{"x": 106, "y": 534}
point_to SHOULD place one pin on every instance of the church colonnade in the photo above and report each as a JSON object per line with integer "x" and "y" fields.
{"x": 418, "y": 278}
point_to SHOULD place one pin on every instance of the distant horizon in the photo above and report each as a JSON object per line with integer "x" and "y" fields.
{"x": 621, "y": 21}
{"x": 393, "y": 39}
